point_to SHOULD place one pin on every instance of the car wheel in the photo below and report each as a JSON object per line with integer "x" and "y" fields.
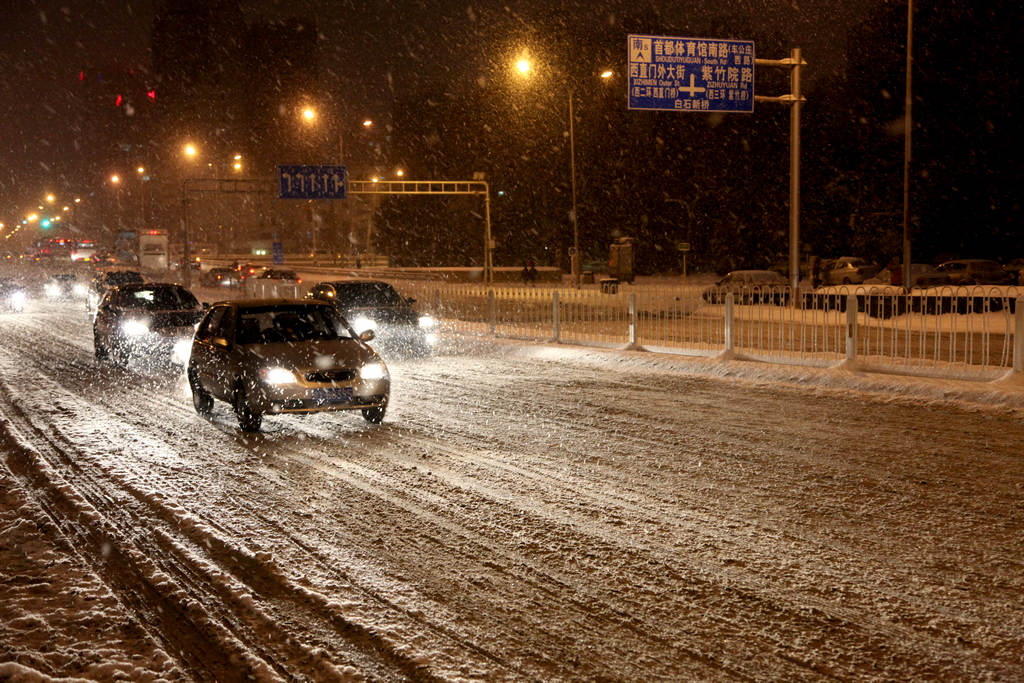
{"x": 201, "y": 400}
{"x": 101, "y": 350}
{"x": 118, "y": 353}
{"x": 375, "y": 415}
{"x": 249, "y": 420}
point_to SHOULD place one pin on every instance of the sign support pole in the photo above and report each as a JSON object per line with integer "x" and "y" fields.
{"x": 794, "y": 99}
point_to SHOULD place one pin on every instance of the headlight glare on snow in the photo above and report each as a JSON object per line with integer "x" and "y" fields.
{"x": 182, "y": 351}
{"x": 277, "y": 376}
{"x": 361, "y": 324}
{"x": 135, "y": 328}
{"x": 427, "y": 322}
{"x": 373, "y": 371}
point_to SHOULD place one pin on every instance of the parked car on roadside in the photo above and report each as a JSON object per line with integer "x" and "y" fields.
{"x": 974, "y": 272}
{"x": 847, "y": 270}
{"x": 266, "y": 356}
{"x": 750, "y": 287}
{"x": 376, "y": 305}
{"x": 1015, "y": 268}
{"x": 148, "y": 321}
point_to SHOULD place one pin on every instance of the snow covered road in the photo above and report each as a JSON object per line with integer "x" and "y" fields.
{"x": 524, "y": 512}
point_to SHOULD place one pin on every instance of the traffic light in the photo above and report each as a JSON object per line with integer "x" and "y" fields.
{"x": 45, "y": 223}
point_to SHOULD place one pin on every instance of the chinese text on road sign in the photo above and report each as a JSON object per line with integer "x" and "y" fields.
{"x": 312, "y": 182}
{"x": 691, "y": 74}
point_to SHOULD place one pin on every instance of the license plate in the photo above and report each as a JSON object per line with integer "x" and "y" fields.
{"x": 333, "y": 395}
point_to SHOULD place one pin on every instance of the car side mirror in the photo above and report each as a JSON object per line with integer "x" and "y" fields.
{"x": 367, "y": 335}
{"x": 221, "y": 342}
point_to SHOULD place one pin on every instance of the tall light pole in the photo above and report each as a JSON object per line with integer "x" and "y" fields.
{"x": 524, "y": 66}
{"x": 908, "y": 125}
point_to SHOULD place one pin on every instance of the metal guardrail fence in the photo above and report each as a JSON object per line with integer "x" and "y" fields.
{"x": 971, "y": 332}
{"x": 965, "y": 332}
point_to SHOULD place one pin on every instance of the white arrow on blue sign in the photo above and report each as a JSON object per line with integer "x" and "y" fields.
{"x": 312, "y": 182}
{"x": 691, "y": 74}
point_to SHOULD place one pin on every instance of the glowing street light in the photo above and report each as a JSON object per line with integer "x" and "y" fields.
{"x": 524, "y": 67}
{"x": 51, "y": 198}
{"x": 115, "y": 179}
{"x": 190, "y": 150}
{"x": 309, "y": 114}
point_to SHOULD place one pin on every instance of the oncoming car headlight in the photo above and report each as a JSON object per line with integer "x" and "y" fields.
{"x": 18, "y": 299}
{"x": 277, "y": 376}
{"x": 426, "y": 322}
{"x": 52, "y": 289}
{"x": 135, "y": 328}
{"x": 373, "y": 371}
{"x": 80, "y": 290}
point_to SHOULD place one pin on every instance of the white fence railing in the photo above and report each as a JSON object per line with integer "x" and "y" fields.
{"x": 951, "y": 331}
{"x": 967, "y": 331}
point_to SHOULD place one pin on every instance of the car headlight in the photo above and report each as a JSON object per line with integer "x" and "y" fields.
{"x": 52, "y": 290}
{"x": 18, "y": 299}
{"x": 135, "y": 328}
{"x": 277, "y": 376}
{"x": 362, "y": 324}
{"x": 80, "y": 290}
{"x": 373, "y": 371}
{"x": 426, "y": 322}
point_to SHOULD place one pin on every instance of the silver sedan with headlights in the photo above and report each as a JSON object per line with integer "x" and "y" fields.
{"x": 153, "y": 322}
{"x": 273, "y": 356}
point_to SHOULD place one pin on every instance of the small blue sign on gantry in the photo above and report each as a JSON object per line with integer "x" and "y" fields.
{"x": 312, "y": 182}
{"x": 691, "y": 74}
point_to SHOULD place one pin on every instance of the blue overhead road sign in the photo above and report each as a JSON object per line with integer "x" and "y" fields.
{"x": 691, "y": 74}
{"x": 312, "y": 182}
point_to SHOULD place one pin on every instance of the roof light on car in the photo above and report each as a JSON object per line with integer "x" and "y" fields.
{"x": 135, "y": 328}
{"x": 277, "y": 376}
{"x": 427, "y": 321}
{"x": 373, "y": 371}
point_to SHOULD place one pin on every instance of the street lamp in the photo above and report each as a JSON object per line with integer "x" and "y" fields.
{"x": 524, "y": 66}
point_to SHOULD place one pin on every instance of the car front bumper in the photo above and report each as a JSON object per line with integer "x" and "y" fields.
{"x": 317, "y": 398}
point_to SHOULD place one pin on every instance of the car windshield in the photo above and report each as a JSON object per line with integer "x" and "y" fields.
{"x": 365, "y": 294}
{"x": 158, "y": 299}
{"x": 277, "y": 324}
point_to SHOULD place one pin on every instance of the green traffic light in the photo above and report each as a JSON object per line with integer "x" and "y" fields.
{"x": 45, "y": 222}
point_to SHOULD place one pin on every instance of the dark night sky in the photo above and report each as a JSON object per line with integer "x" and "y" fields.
{"x": 373, "y": 51}
{"x": 44, "y": 44}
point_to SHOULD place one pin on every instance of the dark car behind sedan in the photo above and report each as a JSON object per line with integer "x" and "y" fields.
{"x": 152, "y": 322}
{"x": 376, "y": 305}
